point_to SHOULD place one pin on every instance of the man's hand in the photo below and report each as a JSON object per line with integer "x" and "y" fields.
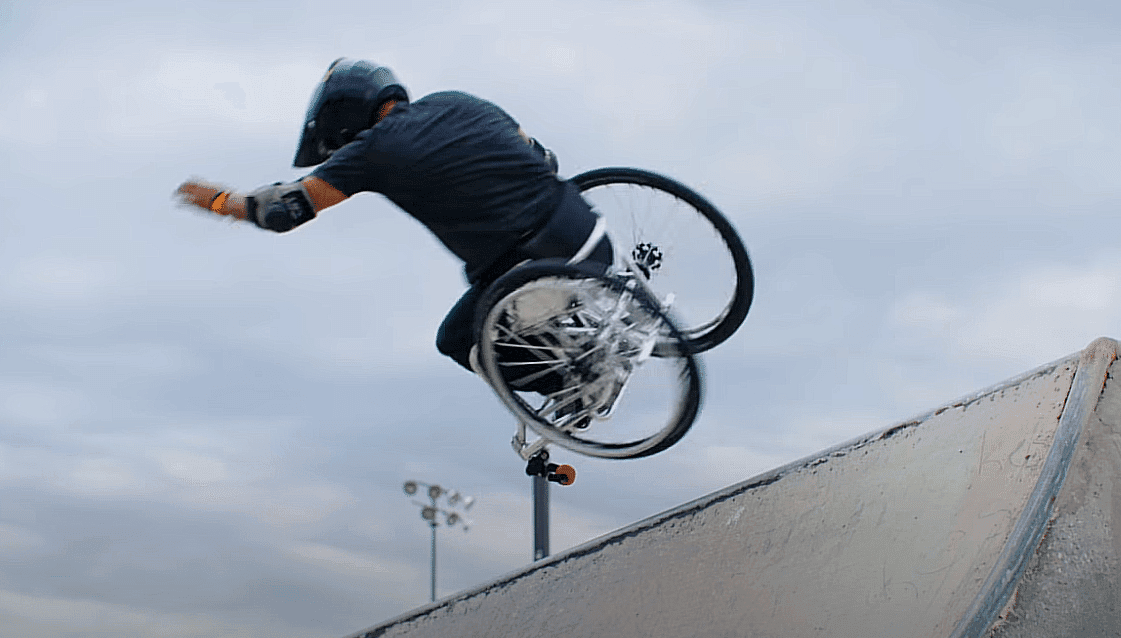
{"x": 211, "y": 197}
{"x": 197, "y": 192}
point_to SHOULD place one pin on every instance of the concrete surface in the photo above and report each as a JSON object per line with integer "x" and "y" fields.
{"x": 989, "y": 516}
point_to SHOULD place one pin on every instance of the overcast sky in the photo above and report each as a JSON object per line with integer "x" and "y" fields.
{"x": 204, "y": 427}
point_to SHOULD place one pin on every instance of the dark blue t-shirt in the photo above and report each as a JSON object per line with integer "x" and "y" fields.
{"x": 458, "y": 165}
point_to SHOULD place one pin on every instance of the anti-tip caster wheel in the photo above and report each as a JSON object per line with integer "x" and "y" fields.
{"x": 563, "y": 474}
{"x": 539, "y": 466}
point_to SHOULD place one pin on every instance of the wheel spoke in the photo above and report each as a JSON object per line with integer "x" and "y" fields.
{"x": 700, "y": 259}
{"x": 596, "y": 334}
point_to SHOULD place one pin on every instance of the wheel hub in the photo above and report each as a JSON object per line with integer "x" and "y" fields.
{"x": 647, "y": 257}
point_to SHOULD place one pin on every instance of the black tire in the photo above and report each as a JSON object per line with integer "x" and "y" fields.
{"x": 694, "y": 243}
{"x": 512, "y": 315}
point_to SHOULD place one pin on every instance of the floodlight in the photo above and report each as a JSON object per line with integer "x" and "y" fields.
{"x": 431, "y": 513}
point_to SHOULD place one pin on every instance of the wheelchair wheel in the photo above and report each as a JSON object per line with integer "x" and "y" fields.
{"x": 682, "y": 244}
{"x": 567, "y": 350}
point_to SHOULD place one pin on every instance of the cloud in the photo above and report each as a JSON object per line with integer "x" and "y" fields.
{"x": 207, "y": 88}
{"x": 213, "y": 409}
{"x": 19, "y": 541}
{"x": 1025, "y": 319}
{"x": 196, "y": 470}
{"x": 57, "y": 278}
{"x": 45, "y": 616}
{"x": 1053, "y": 121}
{"x": 98, "y": 477}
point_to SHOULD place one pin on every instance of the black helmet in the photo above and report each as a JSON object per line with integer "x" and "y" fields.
{"x": 345, "y": 103}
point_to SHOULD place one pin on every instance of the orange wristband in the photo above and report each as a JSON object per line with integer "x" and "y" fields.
{"x": 218, "y": 202}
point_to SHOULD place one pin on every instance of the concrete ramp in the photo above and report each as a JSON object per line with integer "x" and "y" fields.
{"x": 990, "y": 516}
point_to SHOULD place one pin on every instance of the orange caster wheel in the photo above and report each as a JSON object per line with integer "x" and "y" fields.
{"x": 564, "y": 474}
{"x": 539, "y": 466}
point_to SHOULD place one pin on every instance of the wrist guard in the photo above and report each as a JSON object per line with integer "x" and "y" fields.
{"x": 280, "y": 207}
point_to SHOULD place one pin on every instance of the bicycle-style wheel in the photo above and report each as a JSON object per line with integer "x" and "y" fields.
{"x": 568, "y": 351}
{"x": 687, "y": 250}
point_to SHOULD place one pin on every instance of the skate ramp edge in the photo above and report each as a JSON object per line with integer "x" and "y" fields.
{"x": 992, "y": 515}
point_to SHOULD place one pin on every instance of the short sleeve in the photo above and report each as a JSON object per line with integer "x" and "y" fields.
{"x": 350, "y": 169}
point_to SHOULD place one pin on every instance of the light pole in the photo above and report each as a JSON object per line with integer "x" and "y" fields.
{"x": 431, "y": 511}
{"x": 540, "y": 517}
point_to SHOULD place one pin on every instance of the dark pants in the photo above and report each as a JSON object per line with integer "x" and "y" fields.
{"x": 562, "y": 236}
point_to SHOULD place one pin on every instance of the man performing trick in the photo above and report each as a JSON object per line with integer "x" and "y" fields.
{"x": 459, "y": 164}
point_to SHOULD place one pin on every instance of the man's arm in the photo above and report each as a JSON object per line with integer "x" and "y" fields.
{"x": 319, "y": 195}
